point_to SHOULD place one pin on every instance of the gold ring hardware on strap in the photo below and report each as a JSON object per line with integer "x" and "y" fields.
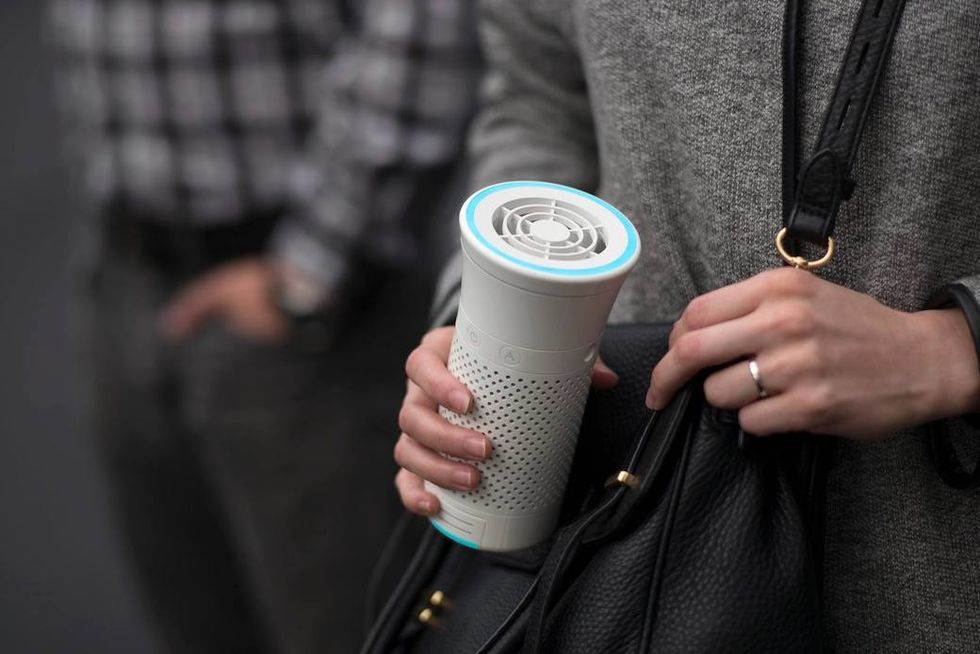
{"x": 800, "y": 262}
{"x": 623, "y": 478}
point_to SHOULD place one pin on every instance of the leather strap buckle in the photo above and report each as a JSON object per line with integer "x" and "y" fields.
{"x": 820, "y": 190}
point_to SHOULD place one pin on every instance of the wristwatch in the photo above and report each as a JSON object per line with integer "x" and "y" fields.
{"x": 308, "y": 305}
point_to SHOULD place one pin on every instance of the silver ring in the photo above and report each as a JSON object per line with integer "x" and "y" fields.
{"x": 757, "y": 378}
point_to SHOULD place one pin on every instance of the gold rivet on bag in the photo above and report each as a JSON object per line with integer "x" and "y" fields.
{"x": 425, "y": 616}
{"x": 437, "y": 598}
{"x": 623, "y": 478}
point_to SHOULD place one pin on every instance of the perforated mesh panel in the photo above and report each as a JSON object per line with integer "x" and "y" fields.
{"x": 533, "y": 424}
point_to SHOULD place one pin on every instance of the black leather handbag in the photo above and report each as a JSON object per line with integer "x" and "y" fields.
{"x": 692, "y": 538}
{"x": 680, "y": 532}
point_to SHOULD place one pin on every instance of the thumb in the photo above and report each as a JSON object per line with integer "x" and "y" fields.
{"x": 189, "y": 310}
{"x": 603, "y": 376}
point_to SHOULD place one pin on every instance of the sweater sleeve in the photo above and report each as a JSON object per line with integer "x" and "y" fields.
{"x": 972, "y": 284}
{"x": 965, "y": 294}
{"x": 536, "y": 118}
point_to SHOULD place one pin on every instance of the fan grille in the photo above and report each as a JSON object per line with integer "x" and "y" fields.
{"x": 549, "y": 229}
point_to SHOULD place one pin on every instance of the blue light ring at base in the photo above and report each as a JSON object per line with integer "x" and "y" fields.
{"x": 453, "y": 537}
{"x": 632, "y": 239}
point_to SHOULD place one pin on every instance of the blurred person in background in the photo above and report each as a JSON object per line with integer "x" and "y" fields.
{"x": 262, "y": 172}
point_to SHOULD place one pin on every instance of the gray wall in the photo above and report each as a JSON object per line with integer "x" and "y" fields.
{"x": 63, "y": 583}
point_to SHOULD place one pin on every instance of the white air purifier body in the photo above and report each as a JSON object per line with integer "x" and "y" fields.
{"x": 542, "y": 266}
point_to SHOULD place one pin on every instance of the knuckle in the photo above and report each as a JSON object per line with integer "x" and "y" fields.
{"x": 428, "y": 339}
{"x": 789, "y": 281}
{"x": 399, "y": 450}
{"x": 694, "y": 316}
{"x": 712, "y": 392}
{"x": 688, "y": 348}
{"x": 411, "y": 363}
{"x": 433, "y": 339}
{"x": 405, "y": 415}
{"x": 809, "y": 357}
{"x": 442, "y": 390}
{"x": 806, "y": 311}
{"x": 801, "y": 282}
{"x": 772, "y": 278}
{"x": 791, "y": 319}
{"x": 780, "y": 371}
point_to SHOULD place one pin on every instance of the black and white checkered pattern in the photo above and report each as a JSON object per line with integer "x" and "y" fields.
{"x": 204, "y": 111}
{"x": 398, "y": 100}
{"x": 192, "y": 109}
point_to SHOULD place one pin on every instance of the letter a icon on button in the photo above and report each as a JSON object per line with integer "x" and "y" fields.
{"x": 509, "y": 356}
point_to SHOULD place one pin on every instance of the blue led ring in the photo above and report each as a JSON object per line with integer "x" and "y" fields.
{"x": 632, "y": 240}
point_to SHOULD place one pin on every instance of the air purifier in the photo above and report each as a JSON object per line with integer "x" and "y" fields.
{"x": 542, "y": 266}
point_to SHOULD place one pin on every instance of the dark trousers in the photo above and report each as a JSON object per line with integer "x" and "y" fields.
{"x": 253, "y": 484}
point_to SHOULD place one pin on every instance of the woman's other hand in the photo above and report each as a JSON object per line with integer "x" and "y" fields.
{"x": 831, "y": 360}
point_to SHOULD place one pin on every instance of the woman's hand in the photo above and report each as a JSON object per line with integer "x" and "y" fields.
{"x": 833, "y": 361}
{"x": 427, "y": 436}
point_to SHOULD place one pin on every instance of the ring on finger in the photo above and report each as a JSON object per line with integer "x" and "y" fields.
{"x": 757, "y": 378}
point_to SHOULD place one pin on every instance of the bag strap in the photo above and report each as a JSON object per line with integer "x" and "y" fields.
{"x": 389, "y": 622}
{"x": 792, "y": 28}
{"x": 661, "y": 446}
{"x": 824, "y": 181}
{"x": 812, "y": 194}
{"x": 811, "y": 200}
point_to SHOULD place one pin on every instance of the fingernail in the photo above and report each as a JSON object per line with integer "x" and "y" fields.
{"x": 606, "y": 370}
{"x": 601, "y": 365}
{"x": 426, "y": 506}
{"x": 476, "y": 447}
{"x": 464, "y": 479}
{"x": 650, "y": 400}
{"x": 459, "y": 401}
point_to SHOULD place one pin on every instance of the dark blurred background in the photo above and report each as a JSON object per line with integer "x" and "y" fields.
{"x": 63, "y": 584}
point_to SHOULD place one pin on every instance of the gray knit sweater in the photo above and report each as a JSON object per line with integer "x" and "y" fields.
{"x": 671, "y": 110}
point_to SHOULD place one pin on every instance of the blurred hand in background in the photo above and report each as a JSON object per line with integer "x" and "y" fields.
{"x": 239, "y": 294}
